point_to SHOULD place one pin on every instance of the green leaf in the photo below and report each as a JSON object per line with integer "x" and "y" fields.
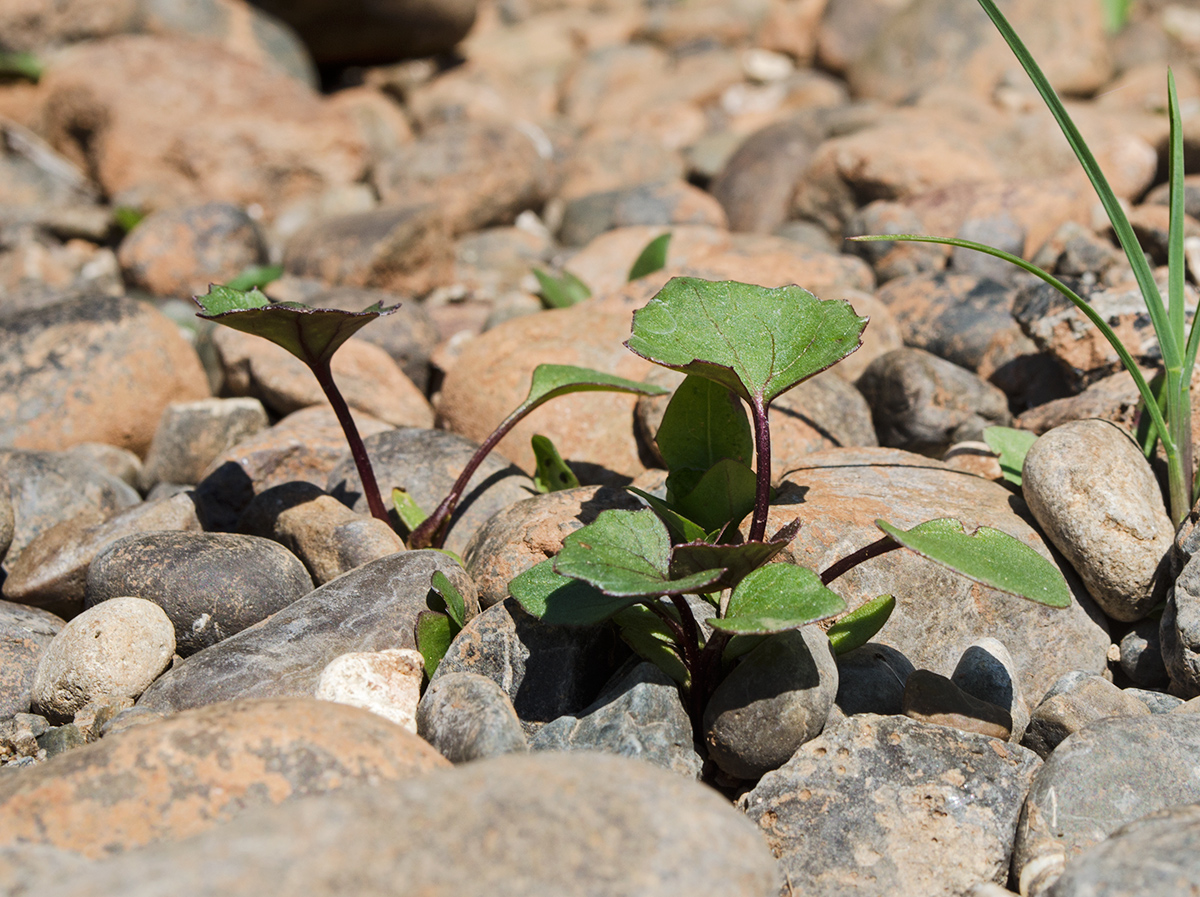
{"x": 127, "y": 217}
{"x": 687, "y": 530}
{"x": 627, "y": 554}
{"x": 256, "y": 277}
{"x": 552, "y": 473}
{"x": 759, "y": 342}
{"x": 648, "y": 636}
{"x": 652, "y": 258}
{"x": 725, "y": 494}
{"x": 561, "y": 292}
{"x": 737, "y": 560}
{"x": 741, "y": 645}
{"x": 410, "y": 513}
{"x": 776, "y": 598}
{"x": 311, "y": 334}
{"x": 21, "y": 65}
{"x": 550, "y": 381}
{"x": 561, "y": 600}
{"x": 859, "y": 626}
{"x": 1011, "y": 445}
{"x": 451, "y": 598}
{"x": 704, "y": 423}
{"x": 988, "y": 556}
{"x": 433, "y": 636}
{"x": 1116, "y": 13}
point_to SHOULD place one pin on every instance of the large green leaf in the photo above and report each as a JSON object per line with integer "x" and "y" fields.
{"x": 757, "y": 341}
{"x": 704, "y": 423}
{"x": 551, "y": 473}
{"x": 311, "y": 334}
{"x": 1012, "y": 446}
{"x": 646, "y": 633}
{"x": 561, "y": 600}
{"x": 859, "y": 626}
{"x": 652, "y": 258}
{"x": 988, "y": 556}
{"x": 724, "y": 494}
{"x": 737, "y": 560}
{"x": 776, "y": 598}
{"x": 627, "y": 554}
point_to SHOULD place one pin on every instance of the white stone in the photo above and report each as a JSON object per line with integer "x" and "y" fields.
{"x": 385, "y": 682}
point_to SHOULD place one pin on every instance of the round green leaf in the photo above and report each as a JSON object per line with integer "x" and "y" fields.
{"x": 776, "y": 598}
{"x": 561, "y": 600}
{"x": 704, "y": 423}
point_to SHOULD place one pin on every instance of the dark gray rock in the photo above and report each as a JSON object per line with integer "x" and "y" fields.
{"x": 777, "y": 698}
{"x": 1071, "y": 705}
{"x": 426, "y": 463}
{"x": 372, "y": 608}
{"x": 888, "y": 805}
{"x": 986, "y": 671}
{"x": 546, "y": 671}
{"x": 469, "y": 717}
{"x": 25, "y": 632}
{"x": 60, "y": 739}
{"x": 930, "y": 698}
{"x": 1106, "y": 775}
{"x": 925, "y": 404}
{"x": 1179, "y": 631}
{"x": 212, "y": 585}
{"x": 1157, "y": 854}
{"x": 546, "y": 823}
{"x": 191, "y": 435}
{"x": 639, "y": 715}
{"x": 1141, "y": 654}
{"x": 871, "y": 680}
{"x": 1157, "y": 701}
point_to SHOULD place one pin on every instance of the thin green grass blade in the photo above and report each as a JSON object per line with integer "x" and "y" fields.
{"x": 1179, "y": 406}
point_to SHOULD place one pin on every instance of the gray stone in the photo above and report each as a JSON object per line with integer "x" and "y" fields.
{"x": 772, "y": 702}
{"x": 19, "y": 735}
{"x": 25, "y": 632}
{"x": 61, "y": 739}
{"x": 1157, "y": 701}
{"x": 27, "y": 868}
{"x": 1104, "y": 776}
{"x": 1157, "y": 854}
{"x": 1096, "y": 498}
{"x": 888, "y": 805}
{"x": 1069, "y": 708}
{"x": 211, "y": 585}
{"x": 546, "y": 671}
{"x": 639, "y": 715}
{"x": 426, "y": 463}
{"x": 120, "y": 462}
{"x": 567, "y": 824}
{"x": 114, "y": 649}
{"x": 930, "y": 698}
{"x": 662, "y": 203}
{"x": 1179, "y": 631}
{"x": 1141, "y": 654}
{"x": 372, "y": 608}
{"x": 999, "y": 230}
{"x": 191, "y": 435}
{"x": 986, "y": 671}
{"x": 469, "y": 717}
{"x": 871, "y": 680}
{"x": 6, "y": 517}
{"x": 925, "y": 404}
{"x": 892, "y": 260}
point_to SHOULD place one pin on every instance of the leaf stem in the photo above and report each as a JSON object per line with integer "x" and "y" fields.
{"x": 852, "y": 560}
{"x": 357, "y": 449}
{"x": 762, "y": 448}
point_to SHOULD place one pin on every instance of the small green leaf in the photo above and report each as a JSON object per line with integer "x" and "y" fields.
{"x": 1011, "y": 445}
{"x": 738, "y": 560}
{"x": 704, "y": 423}
{"x": 741, "y": 645}
{"x": 687, "y": 530}
{"x": 410, "y": 513}
{"x": 776, "y": 598}
{"x": 627, "y": 554}
{"x": 552, "y": 473}
{"x": 256, "y": 277}
{"x": 652, "y": 258}
{"x": 451, "y": 598}
{"x": 127, "y": 217}
{"x": 859, "y": 626}
{"x": 648, "y": 636}
{"x": 725, "y": 494}
{"x": 311, "y": 334}
{"x": 433, "y": 637}
{"x": 561, "y": 600}
{"x": 988, "y": 556}
{"x": 759, "y": 342}
{"x": 561, "y": 292}
{"x": 21, "y": 65}
{"x": 550, "y": 381}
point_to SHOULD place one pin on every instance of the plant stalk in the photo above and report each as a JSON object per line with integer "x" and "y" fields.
{"x": 357, "y": 450}
{"x": 852, "y": 560}
{"x": 762, "y": 449}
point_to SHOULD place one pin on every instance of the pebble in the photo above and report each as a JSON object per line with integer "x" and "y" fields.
{"x": 191, "y": 435}
{"x": 114, "y": 649}
{"x": 930, "y": 698}
{"x": 467, "y": 717}
{"x": 871, "y": 679}
{"x": 986, "y": 671}
{"x": 1141, "y": 654}
{"x": 7, "y": 520}
{"x": 387, "y": 683}
{"x": 1094, "y": 494}
{"x": 1179, "y": 631}
{"x": 211, "y": 585}
{"x": 25, "y": 633}
{"x": 656, "y": 204}
{"x": 1071, "y": 705}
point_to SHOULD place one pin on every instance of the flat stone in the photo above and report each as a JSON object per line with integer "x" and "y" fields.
{"x": 469, "y": 717}
{"x": 373, "y": 608}
{"x": 25, "y": 632}
{"x": 191, "y": 435}
{"x": 175, "y": 777}
{"x": 211, "y": 585}
{"x": 1071, "y": 705}
{"x": 930, "y": 698}
{"x": 890, "y": 805}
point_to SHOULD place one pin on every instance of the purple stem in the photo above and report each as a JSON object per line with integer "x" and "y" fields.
{"x": 762, "y": 448}
{"x": 357, "y": 449}
{"x": 850, "y": 561}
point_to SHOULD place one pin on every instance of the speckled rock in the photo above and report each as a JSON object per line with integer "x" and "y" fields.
{"x": 327, "y": 537}
{"x": 25, "y": 633}
{"x": 115, "y": 649}
{"x": 986, "y": 671}
{"x": 426, "y": 463}
{"x": 638, "y": 715}
{"x": 1093, "y": 493}
{"x": 546, "y": 671}
{"x": 871, "y": 680}
{"x": 469, "y": 717}
{"x": 387, "y": 683}
{"x": 772, "y": 702}
{"x": 1108, "y": 774}
{"x": 527, "y": 532}
{"x": 119, "y": 462}
{"x": 930, "y": 698}
{"x": 211, "y": 585}
{"x": 52, "y": 571}
{"x": 373, "y": 608}
{"x": 889, "y": 805}
{"x": 190, "y": 435}
{"x": 94, "y": 369}
{"x": 171, "y": 778}
{"x": 572, "y": 824}
{"x": 1179, "y": 631}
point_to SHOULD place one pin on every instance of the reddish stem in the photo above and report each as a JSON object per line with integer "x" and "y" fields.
{"x": 357, "y": 449}
{"x": 850, "y": 561}
{"x": 762, "y": 448}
